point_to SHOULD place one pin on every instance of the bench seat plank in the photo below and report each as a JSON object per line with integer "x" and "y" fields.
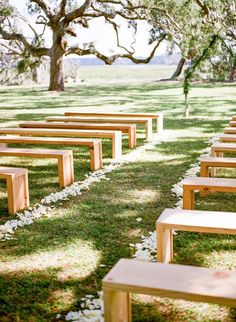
{"x": 64, "y": 157}
{"x": 222, "y": 184}
{"x": 207, "y": 185}
{"x": 155, "y": 116}
{"x": 94, "y": 145}
{"x": 232, "y": 123}
{"x": 199, "y": 220}
{"x": 114, "y": 135}
{"x": 164, "y": 280}
{"x": 224, "y": 138}
{"x": 129, "y": 129}
{"x": 230, "y": 130}
{"x": 146, "y": 121}
{"x": 219, "y": 148}
{"x": 215, "y": 162}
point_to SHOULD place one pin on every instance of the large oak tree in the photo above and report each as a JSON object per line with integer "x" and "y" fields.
{"x": 62, "y": 18}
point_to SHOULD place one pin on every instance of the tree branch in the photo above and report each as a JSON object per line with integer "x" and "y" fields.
{"x": 76, "y": 13}
{"x": 62, "y": 10}
{"x": 47, "y": 10}
{"x": 12, "y": 50}
{"x": 19, "y": 37}
{"x": 110, "y": 60}
{"x": 203, "y": 6}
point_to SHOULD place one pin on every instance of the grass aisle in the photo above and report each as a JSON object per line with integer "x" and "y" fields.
{"x": 62, "y": 257}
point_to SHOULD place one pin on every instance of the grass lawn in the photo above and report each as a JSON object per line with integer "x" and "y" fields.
{"x": 49, "y": 266}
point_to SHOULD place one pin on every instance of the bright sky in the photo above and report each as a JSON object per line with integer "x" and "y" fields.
{"x": 102, "y": 34}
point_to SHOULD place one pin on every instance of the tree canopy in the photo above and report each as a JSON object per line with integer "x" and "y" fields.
{"x": 66, "y": 19}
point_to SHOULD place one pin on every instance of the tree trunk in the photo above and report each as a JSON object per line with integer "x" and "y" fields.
{"x": 232, "y": 70}
{"x": 56, "y": 64}
{"x": 179, "y": 69}
{"x": 34, "y": 74}
{"x": 186, "y": 106}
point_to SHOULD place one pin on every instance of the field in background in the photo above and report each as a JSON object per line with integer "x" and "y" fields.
{"x": 62, "y": 257}
{"x": 125, "y": 73}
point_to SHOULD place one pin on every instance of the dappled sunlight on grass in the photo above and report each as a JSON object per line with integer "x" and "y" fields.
{"x": 162, "y": 309}
{"x": 224, "y": 259}
{"x": 76, "y": 260}
{"x": 143, "y": 196}
{"x": 63, "y": 298}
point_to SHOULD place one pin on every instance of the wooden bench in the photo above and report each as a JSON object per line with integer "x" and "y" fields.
{"x": 214, "y": 222}
{"x": 230, "y": 130}
{"x": 17, "y": 188}
{"x": 146, "y": 121}
{"x": 95, "y": 146}
{"x": 207, "y": 185}
{"x": 154, "y": 116}
{"x": 164, "y": 280}
{"x": 64, "y": 157}
{"x": 214, "y": 162}
{"x": 232, "y": 123}
{"x": 224, "y": 138}
{"x": 218, "y": 148}
{"x": 114, "y": 135}
{"x": 129, "y": 129}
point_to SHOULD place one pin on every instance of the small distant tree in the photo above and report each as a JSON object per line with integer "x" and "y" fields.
{"x": 63, "y": 17}
{"x": 204, "y": 31}
{"x": 218, "y": 16}
{"x": 14, "y": 58}
{"x": 183, "y": 23}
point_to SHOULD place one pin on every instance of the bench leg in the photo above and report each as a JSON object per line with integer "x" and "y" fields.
{"x": 117, "y": 146}
{"x": 18, "y": 193}
{"x": 164, "y": 244}
{"x": 213, "y": 172}
{"x": 96, "y": 156}
{"x": 132, "y": 138}
{"x": 213, "y": 154}
{"x": 148, "y": 130}
{"x": 117, "y": 306}
{"x": 188, "y": 198}
{"x": 205, "y": 172}
{"x": 66, "y": 170}
{"x": 160, "y": 124}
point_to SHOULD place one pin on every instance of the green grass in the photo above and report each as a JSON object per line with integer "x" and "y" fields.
{"x": 53, "y": 263}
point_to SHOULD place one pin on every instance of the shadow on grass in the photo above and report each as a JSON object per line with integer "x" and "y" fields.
{"x": 104, "y": 217}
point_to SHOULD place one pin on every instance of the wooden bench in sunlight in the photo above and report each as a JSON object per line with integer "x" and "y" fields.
{"x": 64, "y": 157}
{"x": 164, "y": 280}
{"x": 145, "y": 121}
{"x": 129, "y": 129}
{"x": 213, "y": 222}
{"x": 230, "y": 130}
{"x": 17, "y": 188}
{"x": 205, "y": 186}
{"x": 218, "y": 148}
{"x": 94, "y": 145}
{"x": 154, "y": 116}
{"x": 115, "y": 136}
{"x": 224, "y": 138}
{"x": 214, "y": 162}
{"x": 232, "y": 123}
